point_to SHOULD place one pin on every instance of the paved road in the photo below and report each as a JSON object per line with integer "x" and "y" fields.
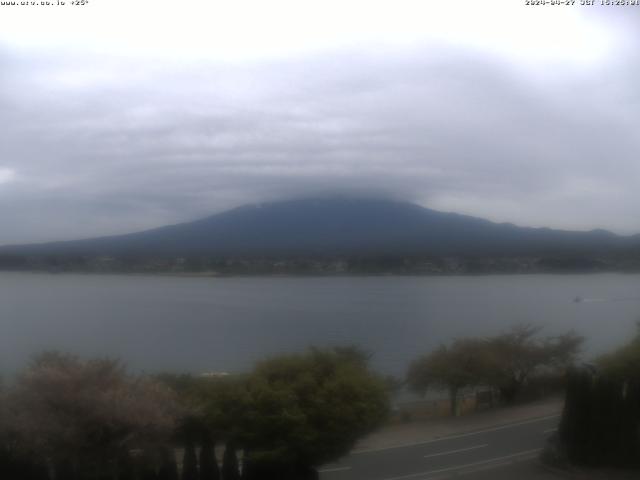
{"x": 498, "y": 452}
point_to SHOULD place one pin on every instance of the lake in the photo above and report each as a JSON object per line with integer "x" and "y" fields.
{"x": 225, "y": 324}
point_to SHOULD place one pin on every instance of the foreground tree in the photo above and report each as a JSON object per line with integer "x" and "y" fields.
{"x": 214, "y": 409}
{"x": 506, "y": 362}
{"x": 308, "y": 409}
{"x": 600, "y": 425}
{"x": 601, "y": 421}
{"x": 623, "y": 363}
{"x": 82, "y": 415}
{"x": 452, "y": 368}
{"x": 168, "y": 467}
{"x": 208, "y": 464}
{"x": 230, "y": 468}
{"x": 511, "y": 358}
{"x": 190, "y": 462}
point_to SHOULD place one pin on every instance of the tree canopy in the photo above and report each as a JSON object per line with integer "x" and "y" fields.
{"x": 505, "y": 362}
{"x": 308, "y": 409}
{"x": 512, "y": 357}
{"x": 85, "y": 413}
{"x": 600, "y": 425}
{"x": 623, "y": 363}
{"x": 450, "y": 367}
{"x": 292, "y": 412}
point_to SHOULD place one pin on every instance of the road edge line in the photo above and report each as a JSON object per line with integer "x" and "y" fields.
{"x": 454, "y": 436}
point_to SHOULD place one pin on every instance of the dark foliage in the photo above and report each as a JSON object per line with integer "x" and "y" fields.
{"x": 600, "y": 425}
{"x": 126, "y": 468}
{"x": 276, "y": 470}
{"x": 208, "y": 464}
{"x": 230, "y": 469}
{"x": 64, "y": 469}
{"x": 168, "y": 467}
{"x": 294, "y": 412}
{"x": 22, "y": 466}
{"x": 310, "y": 409}
{"x": 190, "y": 462}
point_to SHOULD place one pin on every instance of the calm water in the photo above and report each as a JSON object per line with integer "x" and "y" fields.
{"x": 225, "y": 324}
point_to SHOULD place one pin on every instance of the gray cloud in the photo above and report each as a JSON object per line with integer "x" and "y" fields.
{"x": 104, "y": 145}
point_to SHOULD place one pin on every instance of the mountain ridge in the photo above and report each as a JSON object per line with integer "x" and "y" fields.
{"x": 321, "y": 226}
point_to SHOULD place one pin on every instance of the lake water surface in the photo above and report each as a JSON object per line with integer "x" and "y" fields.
{"x": 225, "y": 324}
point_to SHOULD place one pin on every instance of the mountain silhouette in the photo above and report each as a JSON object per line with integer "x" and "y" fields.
{"x": 338, "y": 226}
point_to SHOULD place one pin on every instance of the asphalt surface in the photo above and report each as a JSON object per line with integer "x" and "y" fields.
{"x": 506, "y": 452}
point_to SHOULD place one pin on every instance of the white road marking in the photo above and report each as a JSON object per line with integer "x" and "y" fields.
{"x": 457, "y": 451}
{"x": 453, "y": 437}
{"x": 467, "y": 465}
{"x": 337, "y": 469}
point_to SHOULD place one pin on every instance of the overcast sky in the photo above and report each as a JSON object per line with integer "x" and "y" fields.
{"x": 122, "y": 115}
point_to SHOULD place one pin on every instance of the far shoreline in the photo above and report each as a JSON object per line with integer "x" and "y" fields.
{"x": 318, "y": 275}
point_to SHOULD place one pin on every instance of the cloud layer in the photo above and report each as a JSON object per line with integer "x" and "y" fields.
{"x": 98, "y": 142}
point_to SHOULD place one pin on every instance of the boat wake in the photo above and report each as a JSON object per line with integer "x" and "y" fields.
{"x": 594, "y": 300}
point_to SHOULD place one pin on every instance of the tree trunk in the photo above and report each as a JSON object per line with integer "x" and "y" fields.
{"x": 189, "y": 462}
{"x": 208, "y": 463}
{"x": 230, "y": 470}
{"x": 168, "y": 466}
{"x": 453, "y": 399}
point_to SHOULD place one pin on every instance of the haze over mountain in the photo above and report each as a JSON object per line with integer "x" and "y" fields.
{"x": 338, "y": 226}
{"x": 459, "y": 106}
